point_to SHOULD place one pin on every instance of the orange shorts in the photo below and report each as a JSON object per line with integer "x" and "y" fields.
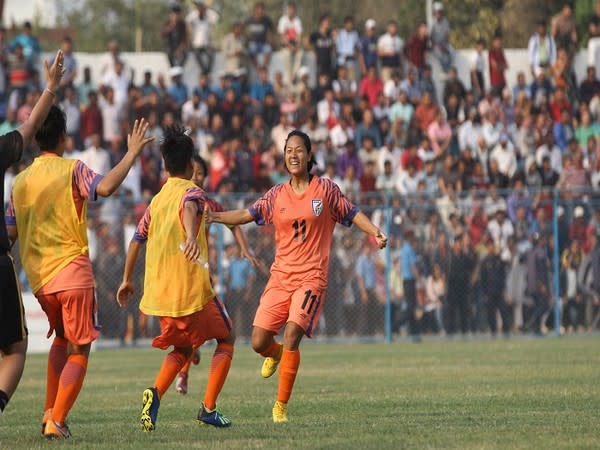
{"x": 281, "y": 304}
{"x": 76, "y": 311}
{"x": 211, "y": 322}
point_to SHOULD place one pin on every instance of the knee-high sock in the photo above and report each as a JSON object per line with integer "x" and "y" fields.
{"x": 171, "y": 365}
{"x": 57, "y": 358}
{"x": 219, "y": 368}
{"x": 272, "y": 350}
{"x": 288, "y": 368}
{"x": 69, "y": 386}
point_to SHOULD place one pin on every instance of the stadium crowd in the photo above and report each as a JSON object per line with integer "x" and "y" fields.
{"x": 463, "y": 179}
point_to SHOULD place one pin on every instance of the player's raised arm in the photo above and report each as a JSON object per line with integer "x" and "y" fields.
{"x": 52, "y": 75}
{"x": 365, "y": 225}
{"x": 135, "y": 143}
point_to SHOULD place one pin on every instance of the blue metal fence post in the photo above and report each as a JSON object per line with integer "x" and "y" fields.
{"x": 388, "y": 268}
{"x": 556, "y": 262}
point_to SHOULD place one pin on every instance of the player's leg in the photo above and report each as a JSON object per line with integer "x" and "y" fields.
{"x": 218, "y": 325}
{"x": 271, "y": 315}
{"x": 305, "y": 310}
{"x": 57, "y": 356}
{"x": 11, "y": 369}
{"x": 13, "y": 332}
{"x": 77, "y": 324}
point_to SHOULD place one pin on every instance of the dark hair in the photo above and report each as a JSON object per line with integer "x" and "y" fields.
{"x": 198, "y": 159}
{"x": 307, "y": 145}
{"x": 53, "y": 128}
{"x": 177, "y": 149}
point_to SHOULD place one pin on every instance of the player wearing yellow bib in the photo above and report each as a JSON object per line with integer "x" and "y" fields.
{"x": 176, "y": 288}
{"x": 48, "y": 210}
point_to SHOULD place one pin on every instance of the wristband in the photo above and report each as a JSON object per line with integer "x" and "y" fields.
{"x": 51, "y": 91}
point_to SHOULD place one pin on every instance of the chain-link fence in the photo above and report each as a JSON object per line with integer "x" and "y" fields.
{"x": 519, "y": 261}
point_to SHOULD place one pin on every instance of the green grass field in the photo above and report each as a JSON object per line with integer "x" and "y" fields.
{"x": 521, "y": 393}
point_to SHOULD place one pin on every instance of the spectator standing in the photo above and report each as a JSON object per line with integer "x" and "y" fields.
{"x": 538, "y": 280}
{"x": 70, "y": 106}
{"x": 118, "y": 79}
{"x": 564, "y": 29}
{"x": 29, "y": 43}
{"x": 86, "y": 86}
{"x": 410, "y": 280}
{"x": 290, "y": 30}
{"x": 112, "y": 113}
{"x": 367, "y": 55}
{"x": 347, "y": 44}
{"x": 200, "y": 22}
{"x": 417, "y": 47}
{"x": 440, "y": 37}
{"x": 541, "y": 49}
{"x": 258, "y": 31}
{"x": 69, "y": 66}
{"x": 95, "y": 157}
{"x": 234, "y": 49}
{"x": 91, "y": 119}
{"x": 458, "y": 273}
{"x": 498, "y": 65}
{"x": 493, "y": 285}
{"x": 477, "y": 70}
{"x": 323, "y": 44}
{"x": 389, "y": 50}
{"x": 366, "y": 277}
{"x": 109, "y": 59}
{"x": 174, "y": 32}
{"x": 240, "y": 280}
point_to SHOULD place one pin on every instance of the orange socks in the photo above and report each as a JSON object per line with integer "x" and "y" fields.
{"x": 57, "y": 358}
{"x": 272, "y": 350}
{"x": 219, "y": 368}
{"x": 171, "y": 365}
{"x": 69, "y": 386}
{"x": 288, "y": 368}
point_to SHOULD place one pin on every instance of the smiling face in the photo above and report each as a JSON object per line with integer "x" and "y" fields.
{"x": 296, "y": 156}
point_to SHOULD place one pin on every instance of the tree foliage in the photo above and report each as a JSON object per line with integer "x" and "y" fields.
{"x": 96, "y": 21}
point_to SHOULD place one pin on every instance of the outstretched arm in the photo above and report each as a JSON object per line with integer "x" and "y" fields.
{"x": 135, "y": 143}
{"x": 368, "y": 227}
{"x": 234, "y": 217}
{"x": 127, "y": 287}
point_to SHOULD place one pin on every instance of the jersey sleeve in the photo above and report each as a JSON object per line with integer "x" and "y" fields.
{"x": 86, "y": 181}
{"x": 262, "y": 209}
{"x": 342, "y": 210}
{"x": 196, "y": 195}
{"x": 11, "y": 149}
{"x": 141, "y": 232}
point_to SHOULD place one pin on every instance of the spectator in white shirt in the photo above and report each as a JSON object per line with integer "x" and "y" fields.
{"x": 346, "y": 46}
{"x": 386, "y": 180}
{"x": 194, "y": 113}
{"x": 389, "y": 153}
{"x": 118, "y": 80}
{"x": 541, "y": 49}
{"x": 389, "y": 50}
{"x": 408, "y": 180}
{"x": 200, "y": 21}
{"x": 469, "y": 131}
{"x": 290, "y": 34}
{"x": 95, "y": 157}
{"x": 504, "y": 154}
{"x": 500, "y": 227}
{"x": 328, "y": 110}
{"x": 109, "y": 60}
{"x": 111, "y": 116}
{"x": 70, "y": 106}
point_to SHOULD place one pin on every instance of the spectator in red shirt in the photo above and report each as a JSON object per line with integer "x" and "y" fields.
{"x": 371, "y": 86}
{"x": 367, "y": 179}
{"x": 498, "y": 66}
{"x": 410, "y": 157}
{"x": 425, "y": 112}
{"x": 416, "y": 47}
{"x": 560, "y": 103}
{"x": 91, "y": 119}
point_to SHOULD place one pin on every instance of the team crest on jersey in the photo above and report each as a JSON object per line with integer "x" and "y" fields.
{"x": 317, "y": 206}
